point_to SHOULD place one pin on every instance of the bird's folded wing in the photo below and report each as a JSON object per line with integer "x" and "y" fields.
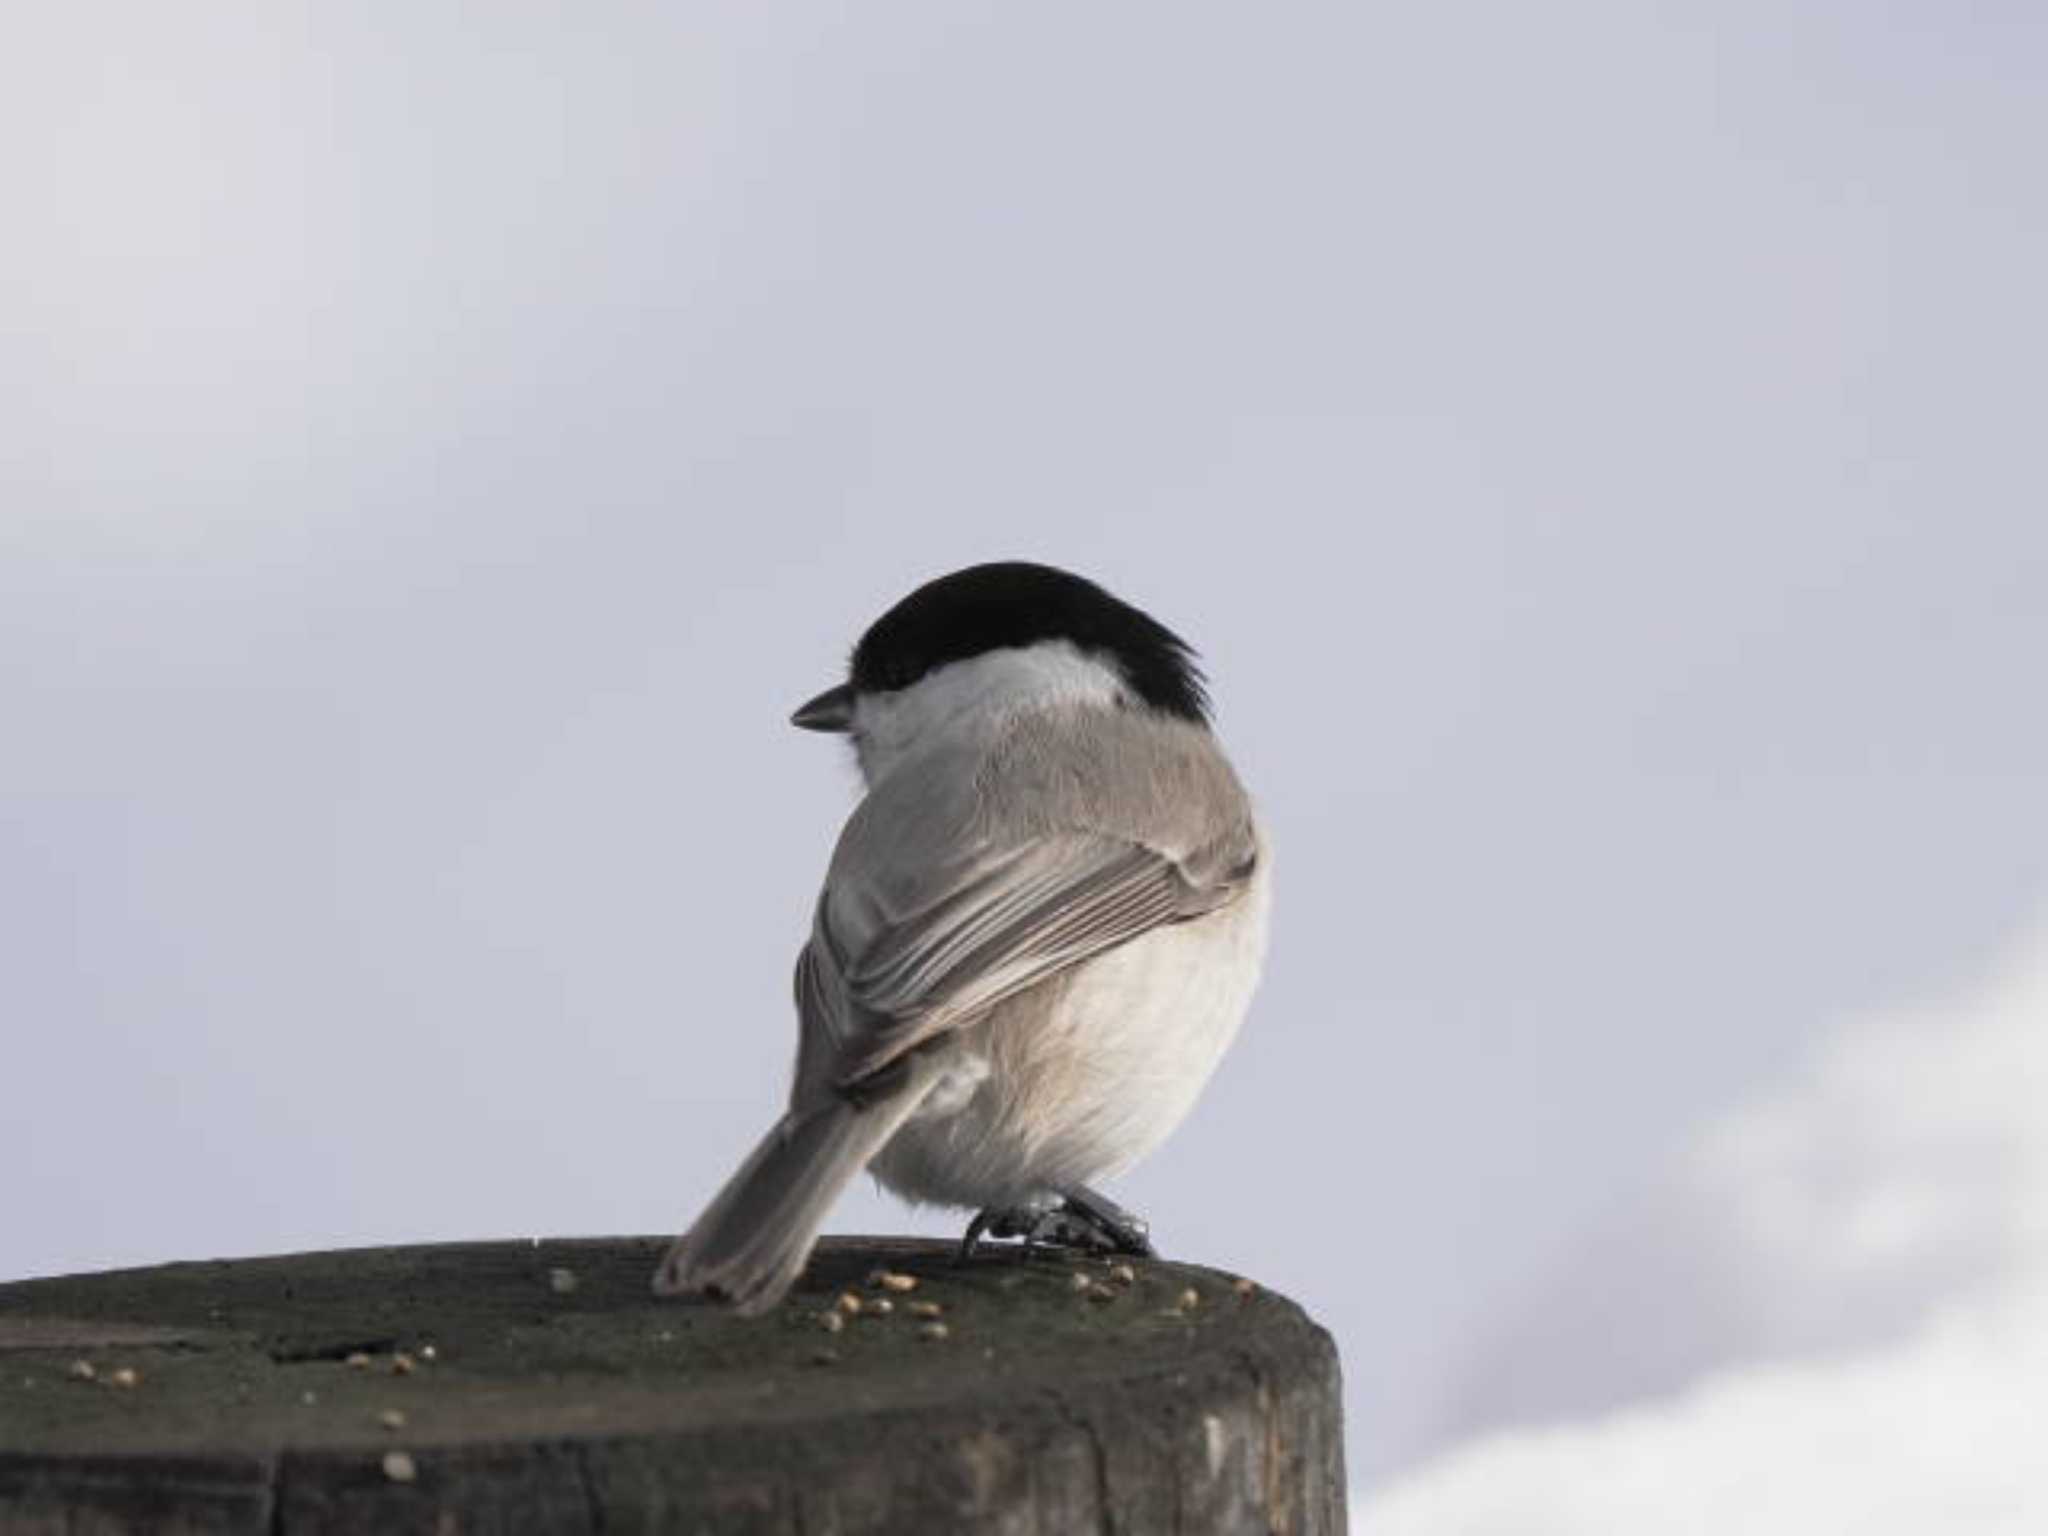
{"x": 983, "y": 930}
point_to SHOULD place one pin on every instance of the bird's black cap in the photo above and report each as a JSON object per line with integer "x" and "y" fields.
{"x": 1013, "y": 603}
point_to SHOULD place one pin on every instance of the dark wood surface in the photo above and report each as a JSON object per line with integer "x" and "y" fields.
{"x": 548, "y": 1390}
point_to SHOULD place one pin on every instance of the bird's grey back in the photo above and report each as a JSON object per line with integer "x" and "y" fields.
{"x": 996, "y": 859}
{"x": 1128, "y": 773}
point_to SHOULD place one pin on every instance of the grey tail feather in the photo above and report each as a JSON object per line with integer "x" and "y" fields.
{"x": 752, "y": 1240}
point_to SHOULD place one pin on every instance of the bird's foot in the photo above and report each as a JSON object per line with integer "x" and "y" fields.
{"x": 1115, "y": 1229}
{"x": 1082, "y": 1222}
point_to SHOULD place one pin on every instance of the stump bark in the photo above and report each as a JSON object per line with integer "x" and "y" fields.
{"x": 540, "y": 1387}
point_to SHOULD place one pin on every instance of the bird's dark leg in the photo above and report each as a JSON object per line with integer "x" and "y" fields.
{"x": 1082, "y": 1221}
{"x": 1025, "y": 1221}
{"x": 1121, "y": 1231}
{"x": 971, "y": 1239}
{"x": 998, "y": 1221}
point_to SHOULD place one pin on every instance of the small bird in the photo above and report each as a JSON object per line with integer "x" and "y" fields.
{"x": 1039, "y": 931}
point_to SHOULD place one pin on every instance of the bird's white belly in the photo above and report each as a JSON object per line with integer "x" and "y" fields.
{"x": 1079, "y": 1078}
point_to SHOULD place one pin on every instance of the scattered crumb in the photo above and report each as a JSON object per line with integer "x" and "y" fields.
{"x": 891, "y": 1280}
{"x": 562, "y": 1282}
{"x": 934, "y": 1331}
{"x": 357, "y": 1361}
{"x": 925, "y": 1309}
{"x": 391, "y": 1418}
{"x": 126, "y": 1377}
{"x": 400, "y": 1467}
{"x": 1099, "y": 1292}
{"x": 1080, "y": 1281}
{"x": 428, "y": 1352}
{"x": 1188, "y": 1299}
{"x": 83, "y": 1370}
{"x": 1123, "y": 1274}
{"x": 402, "y": 1364}
{"x": 309, "y": 1398}
{"x": 665, "y": 1336}
{"x": 881, "y": 1306}
{"x": 1246, "y": 1289}
{"x": 850, "y": 1303}
{"x": 831, "y": 1322}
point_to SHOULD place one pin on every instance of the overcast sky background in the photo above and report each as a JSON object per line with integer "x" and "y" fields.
{"x": 1598, "y": 449}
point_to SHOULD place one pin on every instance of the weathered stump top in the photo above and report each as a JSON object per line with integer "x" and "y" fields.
{"x": 540, "y": 1386}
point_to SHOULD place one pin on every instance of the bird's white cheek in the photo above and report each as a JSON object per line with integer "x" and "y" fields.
{"x": 881, "y": 738}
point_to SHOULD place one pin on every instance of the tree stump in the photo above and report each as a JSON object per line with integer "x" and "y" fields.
{"x": 540, "y": 1386}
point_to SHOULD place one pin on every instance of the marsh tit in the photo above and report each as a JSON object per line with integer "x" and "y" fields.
{"x": 1038, "y": 933}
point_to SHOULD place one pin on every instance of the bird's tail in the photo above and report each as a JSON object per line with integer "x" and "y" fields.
{"x": 752, "y": 1240}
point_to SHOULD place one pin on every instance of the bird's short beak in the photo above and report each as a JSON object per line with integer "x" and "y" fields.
{"x": 831, "y": 710}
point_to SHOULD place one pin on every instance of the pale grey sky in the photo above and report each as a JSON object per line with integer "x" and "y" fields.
{"x": 1597, "y": 449}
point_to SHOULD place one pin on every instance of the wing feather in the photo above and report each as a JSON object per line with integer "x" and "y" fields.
{"x": 1017, "y": 916}
{"x": 984, "y": 868}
